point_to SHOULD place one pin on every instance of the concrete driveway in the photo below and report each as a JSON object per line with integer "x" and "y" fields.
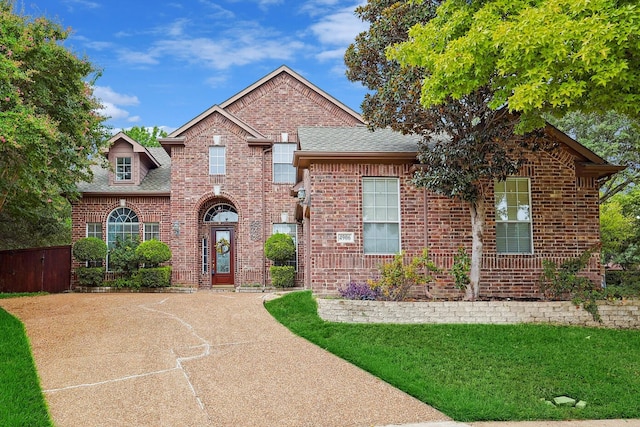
{"x": 202, "y": 359}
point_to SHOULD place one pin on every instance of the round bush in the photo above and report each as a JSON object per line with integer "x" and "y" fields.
{"x": 283, "y": 276}
{"x": 153, "y": 252}
{"x": 279, "y": 248}
{"x": 90, "y": 276}
{"x": 89, "y": 249}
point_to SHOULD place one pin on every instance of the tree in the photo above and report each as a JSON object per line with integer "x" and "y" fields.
{"x": 535, "y": 56}
{"x": 50, "y": 131}
{"x": 614, "y": 137}
{"x": 146, "y": 136}
{"x": 466, "y": 144}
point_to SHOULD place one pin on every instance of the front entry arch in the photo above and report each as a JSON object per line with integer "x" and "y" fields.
{"x": 221, "y": 220}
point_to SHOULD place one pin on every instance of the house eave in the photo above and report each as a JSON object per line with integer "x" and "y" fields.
{"x": 302, "y": 159}
{"x": 125, "y": 194}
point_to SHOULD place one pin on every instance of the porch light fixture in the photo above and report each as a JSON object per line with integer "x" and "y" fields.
{"x": 302, "y": 194}
{"x": 176, "y": 228}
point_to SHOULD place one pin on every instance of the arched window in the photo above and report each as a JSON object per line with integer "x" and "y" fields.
{"x": 122, "y": 224}
{"x": 222, "y": 212}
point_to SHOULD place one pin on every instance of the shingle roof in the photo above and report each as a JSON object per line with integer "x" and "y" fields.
{"x": 355, "y": 139}
{"x": 158, "y": 180}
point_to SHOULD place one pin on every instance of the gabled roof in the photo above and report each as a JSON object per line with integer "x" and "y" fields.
{"x": 298, "y": 77}
{"x": 214, "y": 109}
{"x": 137, "y": 147}
{"x": 157, "y": 181}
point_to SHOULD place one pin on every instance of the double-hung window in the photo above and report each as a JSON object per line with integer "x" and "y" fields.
{"x": 123, "y": 169}
{"x": 217, "y": 160}
{"x": 94, "y": 229}
{"x": 381, "y": 215}
{"x": 151, "y": 231}
{"x": 513, "y": 216}
{"x": 283, "y": 169}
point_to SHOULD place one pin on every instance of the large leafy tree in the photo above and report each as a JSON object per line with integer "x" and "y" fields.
{"x": 50, "y": 132}
{"x": 536, "y": 56}
{"x": 611, "y": 135}
{"x": 466, "y": 144}
{"x": 146, "y": 136}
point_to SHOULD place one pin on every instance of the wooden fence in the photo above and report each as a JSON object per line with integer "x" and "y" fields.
{"x": 36, "y": 270}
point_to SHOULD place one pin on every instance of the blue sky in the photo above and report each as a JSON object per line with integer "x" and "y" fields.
{"x": 165, "y": 62}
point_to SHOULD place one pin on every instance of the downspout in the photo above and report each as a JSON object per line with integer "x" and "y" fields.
{"x": 264, "y": 215}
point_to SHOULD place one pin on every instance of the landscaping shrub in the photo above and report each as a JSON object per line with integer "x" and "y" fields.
{"x": 153, "y": 253}
{"x": 461, "y": 268}
{"x": 565, "y": 282}
{"x": 90, "y": 276}
{"x": 283, "y": 276}
{"x": 279, "y": 248}
{"x": 359, "y": 291}
{"x": 123, "y": 258}
{"x": 157, "y": 277}
{"x": 90, "y": 249}
{"x": 397, "y": 278}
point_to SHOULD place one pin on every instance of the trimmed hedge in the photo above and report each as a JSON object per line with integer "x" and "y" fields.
{"x": 279, "y": 248}
{"x": 90, "y": 276}
{"x": 158, "y": 277}
{"x": 152, "y": 253}
{"x": 89, "y": 249}
{"x": 283, "y": 276}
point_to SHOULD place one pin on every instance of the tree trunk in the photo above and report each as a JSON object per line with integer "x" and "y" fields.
{"x": 478, "y": 218}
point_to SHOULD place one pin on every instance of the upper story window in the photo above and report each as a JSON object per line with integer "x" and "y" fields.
{"x": 381, "y": 215}
{"x": 513, "y": 216}
{"x": 217, "y": 160}
{"x": 283, "y": 169}
{"x": 123, "y": 169}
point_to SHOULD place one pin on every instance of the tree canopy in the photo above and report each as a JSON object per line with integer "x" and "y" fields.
{"x": 146, "y": 136}
{"x": 466, "y": 144}
{"x": 50, "y": 131}
{"x": 614, "y": 137}
{"x": 535, "y": 56}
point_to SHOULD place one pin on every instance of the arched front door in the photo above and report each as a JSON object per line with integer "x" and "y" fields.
{"x": 222, "y": 217}
{"x": 223, "y": 256}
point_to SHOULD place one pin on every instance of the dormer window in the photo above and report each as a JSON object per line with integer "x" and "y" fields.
{"x": 123, "y": 169}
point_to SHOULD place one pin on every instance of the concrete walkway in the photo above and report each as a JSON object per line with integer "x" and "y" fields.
{"x": 205, "y": 359}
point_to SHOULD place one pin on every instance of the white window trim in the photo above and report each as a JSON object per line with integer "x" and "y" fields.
{"x": 119, "y": 173}
{"x": 279, "y": 144}
{"x": 530, "y": 221}
{"x": 222, "y": 148}
{"x": 399, "y": 222}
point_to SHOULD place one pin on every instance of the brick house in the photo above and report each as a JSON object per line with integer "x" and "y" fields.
{"x": 284, "y": 156}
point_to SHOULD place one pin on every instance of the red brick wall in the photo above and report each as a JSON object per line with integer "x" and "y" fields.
{"x": 280, "y": 105}
{"x": 97, "y": 209}
{"x": 564, "y": 213}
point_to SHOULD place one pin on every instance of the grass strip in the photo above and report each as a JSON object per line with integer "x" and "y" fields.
{"x": 21, "y": 399}
{"x": 486, "y": 372}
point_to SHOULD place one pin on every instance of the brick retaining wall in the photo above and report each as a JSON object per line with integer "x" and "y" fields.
{"x": 617, "y": 314}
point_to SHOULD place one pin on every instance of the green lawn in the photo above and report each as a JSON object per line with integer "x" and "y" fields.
{"x": 486, "y": 372}
{"x": 21, "y": 399}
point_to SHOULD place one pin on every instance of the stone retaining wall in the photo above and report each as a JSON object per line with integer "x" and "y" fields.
{"x": 616, "y": 314}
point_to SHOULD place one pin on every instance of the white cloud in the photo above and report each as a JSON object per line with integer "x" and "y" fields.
{"x": 111, "y": 102}
{"x": 339, "y": 28}
{"x": 133, "y": 119}
{"x": 106, "y": 94}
